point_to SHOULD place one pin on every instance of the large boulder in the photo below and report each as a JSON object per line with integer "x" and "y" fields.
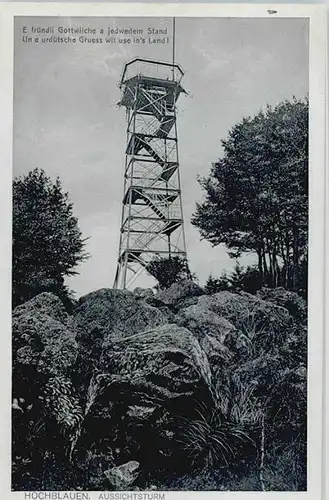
{"x": 108, "y": 314}
{"x": 291, "y": 301}
{"x": 219, "y": 338}
{"x": 123, "y": 476}
{"x": 179, "y": 294}
{"x": 211, "y": 330}
{"x": 264, "y": 323}
{"x": 42, "y": 339}
{"x": 202, "y": 321}
{"x": 143, "y": 293}
{"x": 117, "y": 313}
{"x": 162, "y": 363}
{"x": 45, "y": 303}
{"x": 143, "y": 381}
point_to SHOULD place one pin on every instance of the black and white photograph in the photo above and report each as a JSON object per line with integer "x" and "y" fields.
{"x": 160, "y": 254}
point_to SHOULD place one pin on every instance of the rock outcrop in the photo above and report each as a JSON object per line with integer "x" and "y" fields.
{"x": 123, "y": 476}
{"x": 179, "y": 294}
{"x": 216, "y": 335}
{"x": 143, "y": 293}
{"x": 291, "y": 301}
{"x": 117, "y": 383}
{"x": 104, "y": 316}
{"x": 144, "y": 380}
{"x": 45, "y": 303}
{"x": 114, "y": 313}
{"x": 44, "y": 353}
{"x": 42, "y": 339}
{"x": 265, "y": 323}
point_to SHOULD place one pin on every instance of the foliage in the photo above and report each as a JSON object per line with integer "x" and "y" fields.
{"x": 286, "y": 468}
{"x": 257, "y": 193}
{"x": 265, "y": 392}
{"x": 19, "y": 465}
{"x": 214, "y": 285}
{"x": 211, "y": 439}
{"x": 237, "y": 401}
{"x": 283, "y": 472}
{"x": 169, "y": 270}
{"x": 246, "y": 279}
{"x": 47, "y": 241}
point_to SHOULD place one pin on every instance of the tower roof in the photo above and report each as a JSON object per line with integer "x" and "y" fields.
{"x": 150, "y": 74}
{"x": 153, "y": 69}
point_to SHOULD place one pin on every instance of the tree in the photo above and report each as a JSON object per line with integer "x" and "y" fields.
{"x": 257, "y": 193}
{"x": 214, "y": 285}
{"x": 47, "y": 241}
{"x": 169, "y": 270}
{"x": 245, "y": 279}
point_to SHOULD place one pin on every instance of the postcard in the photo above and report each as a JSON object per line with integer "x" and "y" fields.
{"x": 163, "y": 265}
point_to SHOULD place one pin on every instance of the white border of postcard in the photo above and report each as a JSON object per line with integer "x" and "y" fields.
{"x": 317, "y": 80}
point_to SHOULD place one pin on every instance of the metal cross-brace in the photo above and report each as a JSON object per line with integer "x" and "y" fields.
{"x": 152, "y": 217}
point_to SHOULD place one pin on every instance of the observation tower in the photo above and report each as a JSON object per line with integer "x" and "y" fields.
{"x": 152, "y": 217}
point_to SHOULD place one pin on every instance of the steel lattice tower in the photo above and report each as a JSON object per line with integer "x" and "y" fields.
{"x": 152, "y": 218}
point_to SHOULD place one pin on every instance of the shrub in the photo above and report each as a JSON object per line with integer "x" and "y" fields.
{"x": 169, "y": 270}
{"x": 214, "y": 285}
{"x": 211, "y": 440}
{"x": 242, "y": 279}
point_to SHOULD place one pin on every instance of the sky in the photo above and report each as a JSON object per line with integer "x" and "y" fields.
{"x": 66, "y": 118}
